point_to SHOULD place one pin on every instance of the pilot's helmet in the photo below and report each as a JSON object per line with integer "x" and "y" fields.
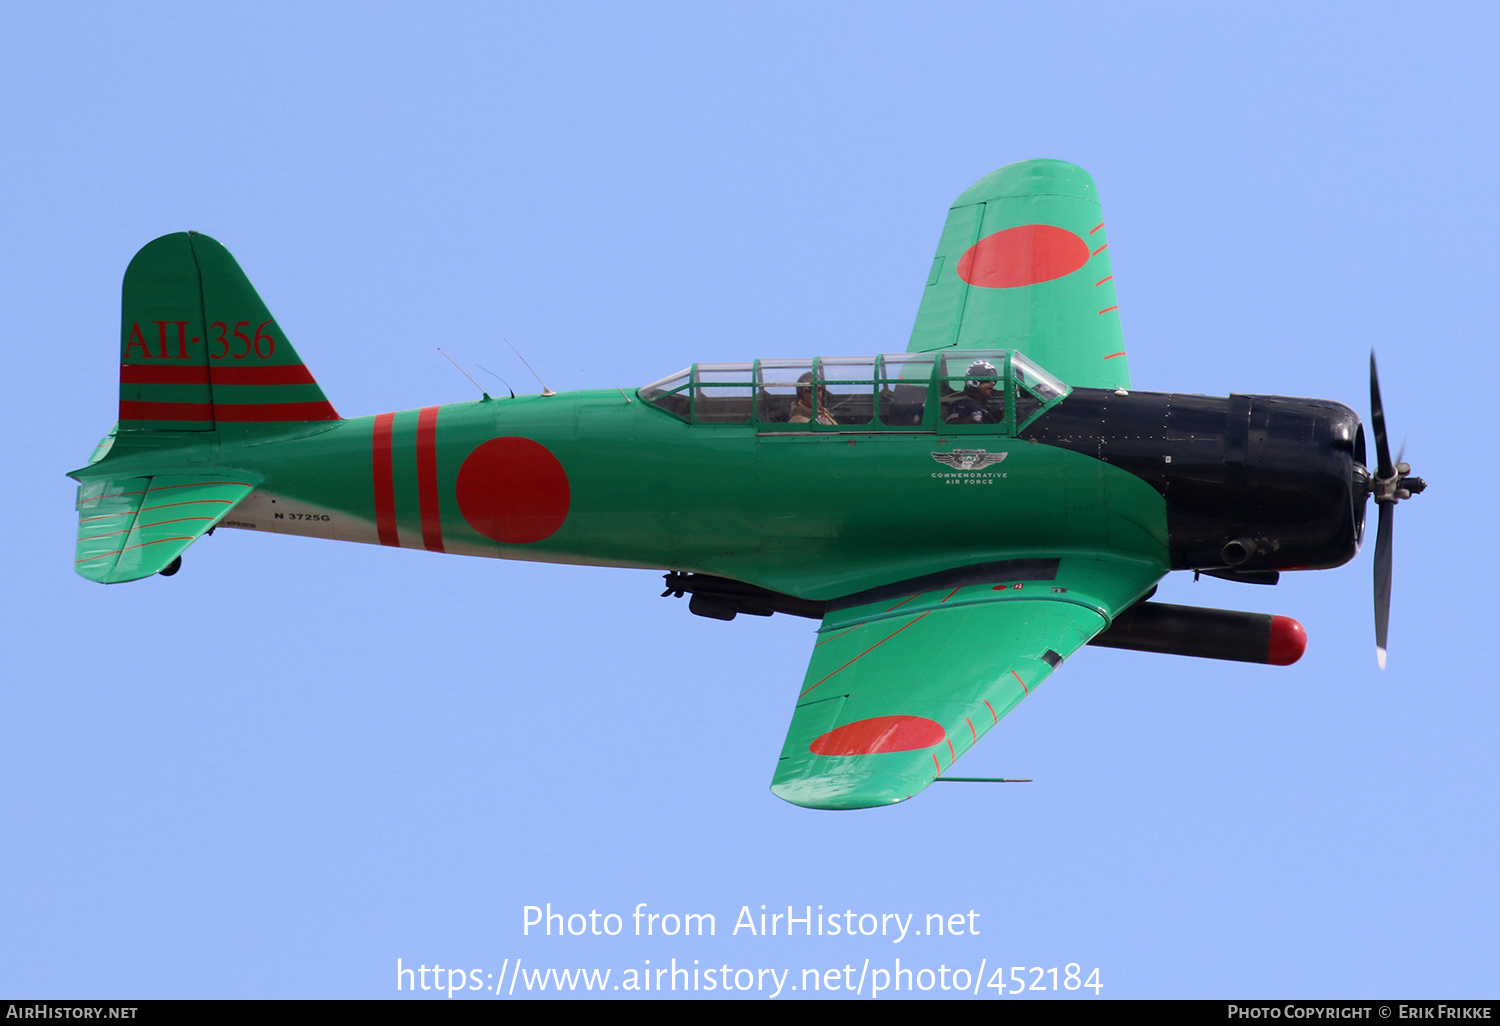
{"x": 981, "y": 371}
{"x": 805, "y": 386}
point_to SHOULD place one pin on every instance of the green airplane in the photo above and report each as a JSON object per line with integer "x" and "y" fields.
{"x": 961, "y": 517}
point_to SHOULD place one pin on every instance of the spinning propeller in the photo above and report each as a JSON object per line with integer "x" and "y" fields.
{"x": 1391, "y": 484}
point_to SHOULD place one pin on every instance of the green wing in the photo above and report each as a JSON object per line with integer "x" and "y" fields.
{"x": 1023, "y": 263}
{"x": 133, "y": 527}
{"x": 899, "y": 688}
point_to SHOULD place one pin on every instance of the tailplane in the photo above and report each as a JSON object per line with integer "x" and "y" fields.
{"x": 133, "y": 527}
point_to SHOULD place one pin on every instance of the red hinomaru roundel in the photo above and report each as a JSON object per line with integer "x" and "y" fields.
{"x": 880, "y": 734}
{"x": 1024, "y": 255}
{"x": 513, "y": 490}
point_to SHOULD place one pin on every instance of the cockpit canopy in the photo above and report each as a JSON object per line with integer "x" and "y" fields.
{"x": 999, "y": 388}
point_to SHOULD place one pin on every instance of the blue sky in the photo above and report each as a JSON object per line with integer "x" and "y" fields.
{"x": 296, "y": 761}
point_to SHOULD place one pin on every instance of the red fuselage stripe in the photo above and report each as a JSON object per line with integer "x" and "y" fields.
{"x": 427, "y": 482}
{"x": 385, "y": 480}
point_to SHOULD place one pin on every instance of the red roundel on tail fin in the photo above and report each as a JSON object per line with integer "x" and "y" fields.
{"x": 880, "y": 734}
{"x": 513, "y": 490}
{"x": 1024, "y": 255}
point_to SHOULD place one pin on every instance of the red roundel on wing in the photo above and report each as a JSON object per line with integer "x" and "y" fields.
{"x": 513, "y": 490}
{"x": 1023, "y": 255}
{"x": 880, "y": 734}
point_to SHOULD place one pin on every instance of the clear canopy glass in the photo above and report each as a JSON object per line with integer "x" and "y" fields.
{"x": 971, "y": 389}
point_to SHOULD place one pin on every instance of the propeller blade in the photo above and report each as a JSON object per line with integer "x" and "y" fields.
{"x": 1377, "y": 424}
{"x": 1383, "y": 579}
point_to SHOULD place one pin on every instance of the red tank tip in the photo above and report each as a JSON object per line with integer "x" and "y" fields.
{"x": 1288, "y": 641}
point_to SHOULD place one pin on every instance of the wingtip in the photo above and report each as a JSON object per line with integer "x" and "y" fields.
{"x": 1041, "y": 176}
{"x": 1380, "y": 656}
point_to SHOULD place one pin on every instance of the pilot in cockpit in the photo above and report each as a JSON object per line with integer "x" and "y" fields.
{"x": 977, "y": 403}
{"x": 802, "y": 410}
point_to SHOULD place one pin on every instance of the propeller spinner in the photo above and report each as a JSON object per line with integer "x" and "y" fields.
{"x": 1392, "y": 482}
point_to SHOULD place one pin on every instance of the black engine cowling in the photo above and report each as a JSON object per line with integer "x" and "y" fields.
{"x": 1252, "y": 483}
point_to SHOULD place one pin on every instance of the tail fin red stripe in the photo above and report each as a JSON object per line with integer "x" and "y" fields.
{"x": 158, "y": 374}
{"x": 199, "y": 374}
{"x": 135, "y": 409}
{"x": 286, "y": 374}
{"x": 229, "y": 413}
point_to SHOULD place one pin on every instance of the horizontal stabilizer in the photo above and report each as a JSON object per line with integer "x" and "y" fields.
{"x": 133, "y": 527}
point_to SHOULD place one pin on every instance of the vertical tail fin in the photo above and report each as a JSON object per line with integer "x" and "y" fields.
{"x": 164, "y": 383}
{"x": 200, "y": 352}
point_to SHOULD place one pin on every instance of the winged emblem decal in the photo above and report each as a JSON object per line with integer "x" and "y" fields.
{"x": 969, "y": 459}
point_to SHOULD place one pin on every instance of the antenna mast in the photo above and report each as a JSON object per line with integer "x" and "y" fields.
{"x": 464, "y": 373}
{"x": 539, "y": 381}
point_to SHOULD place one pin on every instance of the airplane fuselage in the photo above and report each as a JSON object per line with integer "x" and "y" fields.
{"x": 605, "y": 478}
{"x": 803, "y": 513}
